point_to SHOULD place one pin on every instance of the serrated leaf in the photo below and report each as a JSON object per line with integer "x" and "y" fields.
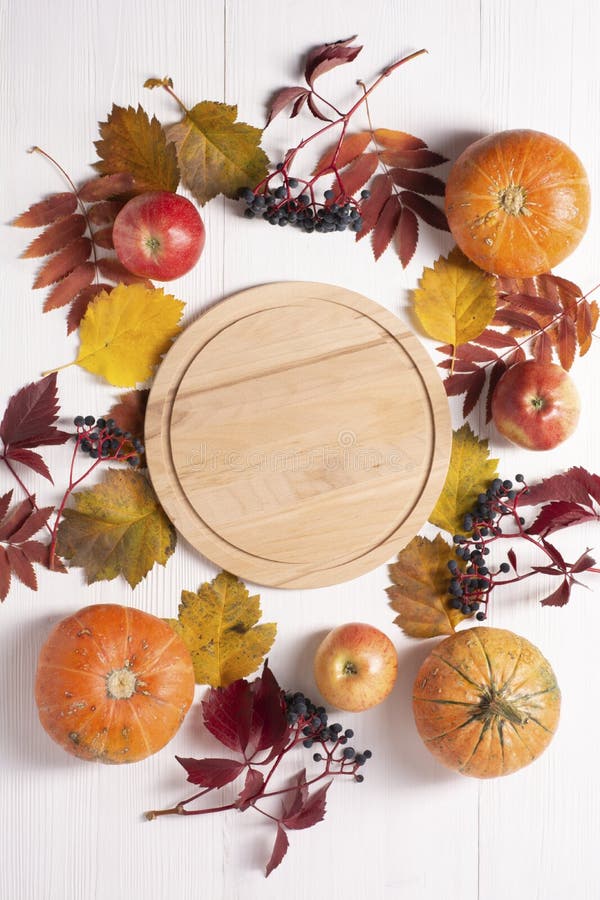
{"x": 498, "y": 370}
{"x": 124, "y": 334}
{"x": 70, "y": 286}
{"x": 560, "y": 596}
{"x": 81, "y": 302}
{"x": 406, "y": 236}
{"x": 129, "y": 414}
{"x": 386, "y": 226}
{"x": 381, "y": 190}
{"x": 56, "y": 236}
{"x": 431, "y": 214}
{"x": 356, "y": 174}
{"x": 397, "y": 140}
{"x": 352, "y": 146}
{"x": 63, "y": 262}
{"x": 253, "y": 785}
{"x": 46, "y": 211}
{"x": 31, "y": 459}
{"x": 576, "y": 485}
{"x": 469, "y": 473}
{"x": 420, "y": 182}
{"x": 566, "y": 341}
{"x": 560, "y": 514}
{"x": 216, "y": 154}
{"x": 107, "y": 186}
{"x": 455, "y": 300}
{"x": 30, "y": 416}
{"x": 412, "y": 159}
{"x": 132, "y": 142}
{"x": 312, "y": 810}
{"x": 116, "y": 271}
{"x": 280, "y": 848}
{"x": 211, "y": 772}
{"x": 218, "y": 626}
{"x": 419, "y": 593}
{"x": 283, "y": 98}
{"x": 116, "y": 528}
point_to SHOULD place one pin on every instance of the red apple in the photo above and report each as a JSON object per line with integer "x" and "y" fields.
{"x": 535, "y": 405}
{"x": 159, "y": 235}
{"x": 355, "y": 666}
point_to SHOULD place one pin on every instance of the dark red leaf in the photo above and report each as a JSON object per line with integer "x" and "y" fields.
{"x": 31, "y": 459}
{"x": 474, "y": 392}
{"x": 515, "y": 357}
{"x": 469, "y": 352}
{"x": 542, "y": 348}
{"x": 584, "y": 562}
{"x": 21, "y": 567}
{"x": 252, "y": 788}
{"x": 420, "y": 182}
{"x": 317, "y": 113}
{"x": 555, "y": 554}
{"x": 406, "y": 236}
{"x": 227, "y": 714}
{"x": 211, "y": 773}
{"x": 357, "y": 173}
{"x": 269, "y": 725}
{"x": 279, "y": 850}
{"x": 4, "y": 574}
{"x": 81, "y": 302}
{"x": 386, "y": 226}
{"x": 412, "y": 159}
{"x": 283, "y": 98}
{"x": 298, "y": 106}
{"x": 297, "y": 797}
{"x": 459, "y": 383}
{"x": 556, "y": 287}
{"x": 560, "y": 596}
{"x": 105, "y": 212}
{"x": 515, "y": 319}
{"x": 381, "y": 189}
{"x": 567, "y": 341}
{"x": 36, "y": 520}
{"x": 426, "y": 210}
{"x": 495, "y": 339}
{"x": 576, "y": 485}
{"x": 69, "y": 287}
{"x": 15, "y": 518}
{"x": 560, "y": 514}
{"x": 59, "y": 265}
{"x": 512, "y": 558}
{"x": 458, "y": 365}
{"x": 545, "y": 570}
{"x": 311, "y": 811}
{"x": 532, "y": 304}
{"x": 5, "y": 503}
{"x": 36, "y": 552}
{"x": 498, "y": 370}
{"x": 47, "y": 211}
{"x": 30, "y": 416}
{"x": 106, "y": 186}
{"x": 55, "y": 237}
{"x": 116, "y": 271}
{"x": 350, "y": 148}
{"x": 584, "y": 327}
{"x": 327, "y": 56}
{"x": 103, "y": 238}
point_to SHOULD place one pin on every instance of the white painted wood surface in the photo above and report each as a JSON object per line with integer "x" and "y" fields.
{"x": 74, "y": 831}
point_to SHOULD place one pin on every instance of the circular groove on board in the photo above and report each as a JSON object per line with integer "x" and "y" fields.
{"x": 297, "y": 434}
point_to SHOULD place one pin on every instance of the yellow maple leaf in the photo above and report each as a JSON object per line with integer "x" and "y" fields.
{"x": 218, "y": 626}
{"x": 116, "y": 528}
{"x": 216, "y": 154}
{"x": 125, "y": 332}
{"x": 469, "y": 474}
{"x": 131, "y": 142}
{"x": 420, "y": 591}
{"x": 455, "y": 300}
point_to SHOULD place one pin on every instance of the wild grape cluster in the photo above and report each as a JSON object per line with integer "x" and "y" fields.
{"x": 312, "y": 722}
{"x": 103, "y": 439}
{"x": 470, "y": 587}
{"x": 280, "y": 207}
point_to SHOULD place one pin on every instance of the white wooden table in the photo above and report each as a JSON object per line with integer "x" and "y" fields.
{"x": 73, "y": 830}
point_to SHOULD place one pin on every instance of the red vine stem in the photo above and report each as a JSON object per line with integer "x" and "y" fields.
{"x": 24, "y": 488}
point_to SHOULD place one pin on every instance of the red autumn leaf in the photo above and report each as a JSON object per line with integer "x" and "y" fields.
{"x": 498, "y": 370}
{"x": 584, "y": 327}
{"x": 279, "y": 850}
{"x": 63, "y": 262}
{"x": 269, "y": 726}
{"x": 105, "y": 212}
{"x": 406, "y": 236}
{"x": 297, "y": 797}
{"x": 576, "y": 485}
{"x": 15, "y": 518}
{"x": 104, "y": 238}
{"x": 327, "y": 56}
{"x": 495, "y": 339}
{"x": 469, "y": 352}
{"x": 386, "y": 226}
{"x": 47, "y": 211}
{"x": 474, "y": 392}
{"x": 70, "y": 286}
{"x": 252, "y": 787}
{"x": 515, "y": 319}
{"x": 31, "y": 459}
{"x": 5, "y": 503}
{"x": 56, "y": 236}
{"x": 107, "y": 186}
{"x": 559, "y": 288}
{"x": 36, "y": 520}
{"x": 317, "y": 113}
{"x": 567, "y": 341}
{"x": 5, "y": 573}
{"x": 397, "y": 140}
{"x": 357, "y": 173}
{"x": 129, "y": 414}
{"x": 227, "y": 714}
{"x": 81, "y": 303}
{"x": 458, "y": 365}
{"x": 426, "y": 210}
{"x": 311, "y": 811}
{"x": 296, "y": 108}
{"x": 116, "y": 271}
{"x": 560, "y": 514}
{"x": 30, "y": 416}
{"x": 351, "y": 147}
{"x": 584, "y": 563}
{"x": 555, "y": 555}
{"x": 283, "y": 98}
{"x": 512, "y": 558}
{"x": 420, "y": 182}
{"x": 381, "y": 189}
{"x": 542, "y": 348}
{"x": 535, "y": 305}
{"x": 560, "y": 596}
{"x": 211, "y": 773}
{"x": 21, "y": 567}
{"x": 412, "y": 159}
{"x": 458, "y": 384}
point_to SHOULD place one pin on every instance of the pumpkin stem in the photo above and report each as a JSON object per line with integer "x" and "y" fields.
{"x": 512, "y": 200}
{"x": 121, "y": 684}
{"x": 493, "y": 705}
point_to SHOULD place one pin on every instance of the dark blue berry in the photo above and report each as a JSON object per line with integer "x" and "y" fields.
{"x": 86, "y": 446}
{"x": 365, "y": 194}
{"x": 89, "y": 421}
{"x": 134, "y": 460}
{"x": 359, "y": 778}
{"x": 293, "y": 182}
{"x": 307, "y": 743}
{"x": 349, "y": 733}
{"x": 94, "y": 453}
{"x": 519, "y": 477}
{"x": 348, "y": 753}
{"x": 317, "y": 757}
{"x": 480, "y": 616}
{"x": 101, "y": 423}
{"x": 367, "y": 754}
{"x": 249, "y": 213}
{"x": 504, "y": 567}
{"x": 78, "y": 421}
{"x": 359, "y": 759}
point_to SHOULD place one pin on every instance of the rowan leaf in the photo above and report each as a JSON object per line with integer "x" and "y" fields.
{"x": 426, "y": 210}
{"x": 70, "y": 286}
{"x": 116, "y": 528}
{"x": 56, "y": 236}
{"x": 352, "y": 146}
{"x": 356, "y": 174}
{"x": 124, "y": 334}
{"x": 218, "y": 626}
{"x": 81, "y": 302}
{"x": 46, "y": 211}
{"x": 420, "y": 182}
{"x": 381, "y": 190}
{"x": 469, "y": 474}
{"x": 406, "y": 236}
{"x": 419, "y": 593}
{"x": 132, "y": 142}
{"x": 455, "y": 300}
{"x": 63, "y": 262}
{"x": 397, "y": 140}
{"x": 106, "y": 186}
{"x": 216, "y": 154}
{"x": 386, "y": 226}
{"x": 412, "y": 159}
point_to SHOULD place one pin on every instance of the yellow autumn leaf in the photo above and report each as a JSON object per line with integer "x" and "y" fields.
{"x": 419, "y": 593}
{"x": 216, "y": 154}
{"x": 455, "y": 301}
{"x": 131, "y": 142}
{"x": 116, "y": 528}
{"x": 218, "y": 626}
{"x": 124, "y": 333}
{"x": 469, "y": 474}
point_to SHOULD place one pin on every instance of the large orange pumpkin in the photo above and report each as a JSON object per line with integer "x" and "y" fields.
{"x": 113, "y": 683}
{"x": 486, "y": 702}
{"x": 517, "y": 202}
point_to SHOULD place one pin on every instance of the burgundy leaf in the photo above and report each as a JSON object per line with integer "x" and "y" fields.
{"x": 311, "y": 811}
{"x": 59, "y": 265}
{"x": 227, "y": 714}
{"x": 5, "y": 503}
{"x": 36, "y": 552}
{"x": 252, "y": 787}
{"x": 381, "y": 189}
{"x": 542, "y": 348}
{"x": 473, "y": 392}
{"x": 555, "y": 554}
{"x": 533, "y": 305}
{"x": 406, "y": 236}
{"x": 386, "y": 226}
{"x": 458, "y": 365}
{"x": 357, "y": 173}
{"x": 211, "y": 773}
{"x": 63, "y": 292}
{"x": 498, "y": 370}
{"x": 55, "y": 237}
{"x": 15, "y": 518}
{"x": 30, "y": 416}
{"x": 297, "y": 797}
{"x": 584, "y": 562}
{"x": 317, "y": 113}
{"x": 512, "y": 558}
{"x": 560, "y": 596}
{"x": 495, "y": 339}
{"x": 591, "y": 483}
{"x": 4, "y": 574}
{"x": 21, "y": 567}
{"x": 105, "y": 212}
{"x": 560, "y": 514}
{"x": 104, "y": 238}
{"x": 116, "y": 271}
{"x": 426, "y": 210}
{"x": 546, "y": 570}
{"x": 567, "y": 341}
{"x": 269, "y": 725}
{"x": 279, "y": 850}
{"x": 106, "y": 186}
{"x": 47, "y": 211}
{"x": 515, "y": 357}
{"x": 350, "y": 148}
{"x": 421, "y": 182}
{"x": 458, "y": 384}
{"x": 282, "y": 99}
{"x": 32, "y": 525}
{"x": 412, "y": 159}
{"x": 31, "y": 459}
{"x": 298, "y": 105}
{"x": 469, "y": 352}
{"x": 575, "y": 485}
{"x": 515, "y": 319}
{"x": 327, "y": 56}
{"x": 81, "y": 302}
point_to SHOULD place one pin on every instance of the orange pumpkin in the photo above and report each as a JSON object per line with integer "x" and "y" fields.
{"x": 486, "y": 702}
{"x": 113, "y": 683}
{"x": 518, "y": 202}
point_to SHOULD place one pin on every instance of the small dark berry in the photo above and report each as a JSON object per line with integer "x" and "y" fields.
{"x": 307, "y": 743}
{"x": 359, "y": 778}
{"x": 279, "y": 166}
{"x": 365, "y": 194}
{"x": 349, "y": 753}
{"x": 249, "y": 213}
{"x": 480, "y": 616}
{"x": 101, "y": 423}
{"x": 349, "y": 733}
{"x": 359, "y": 759}
{"x": 336, "y": 727}
{"x": 504, "y": 567}
{"x": 94, "y": 453}
{"x": 317, "y": 757}
{"x": 329, "y": 195}
{"x": 134, "y": 460}
{"x": 86, "y": 446}
{"x": 89, "y": 421}
{"x": 520, "y": 478}
{"x": 367, "y": 754}
{"x": 78, "y": 421}
{"x": 293, "y": 182}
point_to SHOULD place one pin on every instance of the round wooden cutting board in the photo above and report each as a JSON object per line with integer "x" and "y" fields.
{"x": 297, "y": 434}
